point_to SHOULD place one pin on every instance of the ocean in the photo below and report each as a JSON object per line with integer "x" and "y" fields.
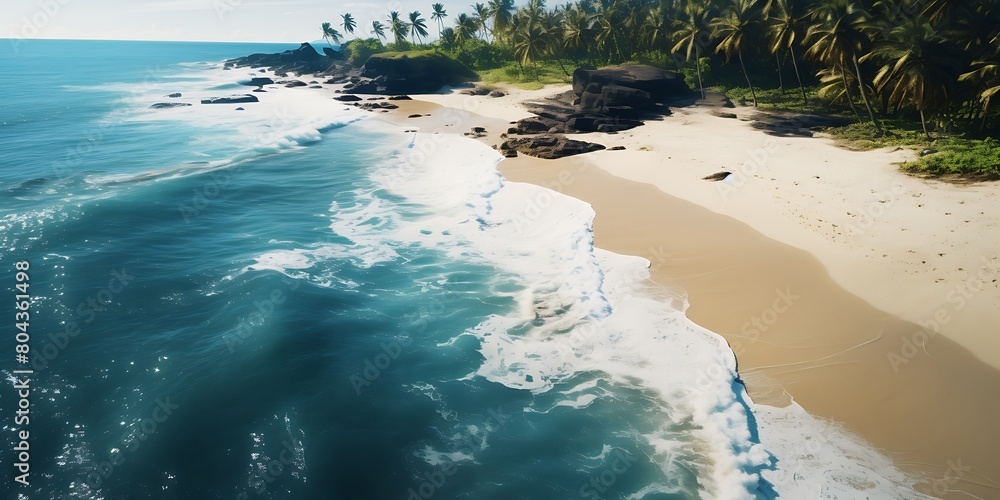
{"x": 300, "y": 300}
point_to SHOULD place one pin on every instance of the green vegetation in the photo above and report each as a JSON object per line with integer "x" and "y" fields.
{"x": 359, "y": 50}
{"x": 934, "y": 64}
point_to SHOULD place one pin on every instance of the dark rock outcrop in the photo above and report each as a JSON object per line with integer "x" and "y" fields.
{"x": 660, "y": 84}
{"x": 303, "y": 60}
{"x": 167, "y": 105}
{"x": 175, "y": 95}
{"x": 400, "y": 98}
{"x": 347, "y": 98}
{"x": 409, "y": 73}
{"x": 549, "y": 146}
{"x": 497, "y": 93}
{"x": 231, "y": 100}
{"x": 257, "y": 81}
{"x": 385, "y": 106}
{"x": 292, "y": 83}
{"x": 475, "y": 91}
{"x": 534, "y": 125}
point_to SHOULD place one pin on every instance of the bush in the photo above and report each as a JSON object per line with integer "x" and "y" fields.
{"x": 358, "y": 51}
{"x": 478, "y": 54}
{"x": 966, "y": 157}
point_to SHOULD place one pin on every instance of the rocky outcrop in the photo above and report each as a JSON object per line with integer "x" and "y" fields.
{"x": 548, "y": 146}
{"x": 303, "y": 60}
{"x": 409, "y": 73}
{"x": 660, "y": 84}
{"x": 292, "y": 83}
{"x": 347, "y": 98}
{"x": 257, "y": 81}
{"x": 175, "y": 95}
{"x": 168, "y": 105}
{"x": 231, "y": 100}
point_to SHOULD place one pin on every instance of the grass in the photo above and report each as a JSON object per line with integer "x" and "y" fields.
{"x": 547, "y": 73}
{"x": 956, "y": 156}
{"x": 774, "y": 99}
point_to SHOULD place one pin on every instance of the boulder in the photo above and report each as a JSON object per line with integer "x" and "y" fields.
{"x": 347, "y": 98}
{"x": 599, "y": 123}
{"x": 549, "y": 146}
{"x": 175, "y": 95}
{"x": 167, "y": 105}
{"x": 292, "y": 83}
{"x": 497, "y": 93}
{"x": 411, "y": 72}
{"x": 616, "y": 95}
{"x": 400, "y": 98}
{"x": 231, "y": 100}
{"x": 534, "y": 125}
{"x": 303, "y": 60}
{"x": 257, "y": 82}
{"x": 660, "y": 84}
{"x": 475, "y": 91}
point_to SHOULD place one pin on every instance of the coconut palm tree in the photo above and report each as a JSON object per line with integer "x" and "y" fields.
{"x": 418, "y": 25}
{"x": 691, "y": 34}
{"x": 331, "y": 33}
{"x": 438, "y": 14}
{"x": 531, "y": 43}
{"x": 465, "y": 28}
{"x": 786, "y": 29}
{"x": 378, "y": 29}
{"x": 838, "y": 38}
{"x": 349, "y": 24}
{"x": 503, "y": 17}
{"x": 398, "y": 27}
{"x": 482, "y": 16}
{"x": 732, "y": 31}
{"x": 578, "y": 30}
{"x": 918, "y": 67}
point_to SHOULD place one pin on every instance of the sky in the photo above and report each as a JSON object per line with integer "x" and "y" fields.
{"x": 200, "y": 20}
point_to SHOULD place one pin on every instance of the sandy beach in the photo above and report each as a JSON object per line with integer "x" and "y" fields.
{"x": 867, "y": 296}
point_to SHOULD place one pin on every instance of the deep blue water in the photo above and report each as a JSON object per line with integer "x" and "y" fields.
{"x": 223, "y": 313}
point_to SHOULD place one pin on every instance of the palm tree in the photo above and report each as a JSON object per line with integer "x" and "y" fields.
{"x": 349, "y": 24}
{"x": 531, "y": 43}
{"x": 438, "y": 14}
{"x": 503, "y": 17}
{"x": 578, "y": 30}
{"x": 330, "y": 33}
{"x": 378, "y": 29}
{"x": 465, "y": 28}
{"x": 732, "y": 31}
{"x": 918, "y": 66}
{"x": 482, "y": 16}
{"x": 448, "y": 38}
{"x": 787, "y": 28}
{"x": 690, "y": 35}
{"x": 398, "y": 27}
{"x": 839, "y": 39}
{"x": 418, "y": 25}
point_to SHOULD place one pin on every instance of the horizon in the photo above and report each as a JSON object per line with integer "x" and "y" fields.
{"x": 234, "y": 21}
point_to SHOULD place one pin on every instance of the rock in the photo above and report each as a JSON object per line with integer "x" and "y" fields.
{"x": 534, "y": 125}
{"x": 400, "y": 98}
{"x": 385, "y": 106}
{"x": 316, "y": 87}
{"x": 167, "y": 105}
{"x": 616, "y": 95}
{"x": 722, "y": 114}
{"x": 337, "y": 80}
{"x": 258, "y": 90}
{"x": 347, "y": 98}
{"x": 303, "y": 60}
{"x": 257, "y": 81}
{"x": 475, "y": 91}
{"x": 411, "y": 72}
{"x": 599, "y": 123}
{"x": 240, "y": 109}
{"x": 415, "y": 116}
{"x": 292, "y": 83}
{"x": 928, "y": 152}
{"x": 478, "y": 131}
{"x": 375, "y": 98}
{"x": 497, "y": 93}
{"x": 660, "y": 84}
{"x": 231, "y": 100}
{"x": 617, "y": 148}
{"x": 175, "y": 95}
{"x": 549, "y": 146}
{"x": 718, "y": 176}
{"x": 509, "y": 153}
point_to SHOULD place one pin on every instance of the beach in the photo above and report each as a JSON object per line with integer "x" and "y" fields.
{"x": 866, "y": 296}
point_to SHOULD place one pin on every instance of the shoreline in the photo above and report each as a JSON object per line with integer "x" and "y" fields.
{"x": 846, "y": 378}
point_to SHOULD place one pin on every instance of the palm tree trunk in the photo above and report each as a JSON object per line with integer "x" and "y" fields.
{"x": 847, "y": 89}
{"x": 864, "y": 95}
{"x": 923, "y": 123}
{"x": 745, "y": 74}
{"x": 798, "y": 77}
{"x": 781, "y": 79}
{"x": 986, "y": 113}
{"x": 697, "y": 65}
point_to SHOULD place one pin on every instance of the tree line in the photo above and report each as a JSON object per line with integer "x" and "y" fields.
{"x": 936, "y": 59}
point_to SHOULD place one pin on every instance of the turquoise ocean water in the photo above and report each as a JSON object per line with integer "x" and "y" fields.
{"x": 298, "y": 301}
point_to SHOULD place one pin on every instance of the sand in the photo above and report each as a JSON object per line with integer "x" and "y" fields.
{"x": 866, "y": 296}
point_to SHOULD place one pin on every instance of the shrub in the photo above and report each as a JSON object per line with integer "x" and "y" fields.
{"x": 358, "y": 51}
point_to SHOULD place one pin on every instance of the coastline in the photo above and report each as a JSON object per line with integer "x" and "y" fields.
{"x": 826, "y": 328}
